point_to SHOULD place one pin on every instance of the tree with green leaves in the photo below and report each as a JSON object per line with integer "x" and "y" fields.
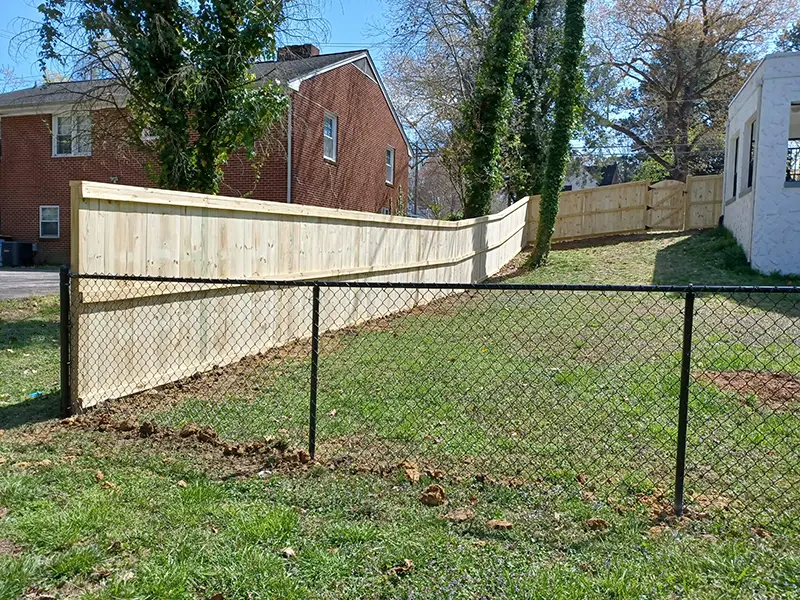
{"x": 568, "y": 98}
{"x": 670, "y": 69}
{"x": 181, "y": 69}
{"x": 486, "y": 113}
{"x": 526, "y": 146}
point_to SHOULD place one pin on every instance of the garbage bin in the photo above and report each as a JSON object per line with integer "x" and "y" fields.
{"x": 17, "y": 254}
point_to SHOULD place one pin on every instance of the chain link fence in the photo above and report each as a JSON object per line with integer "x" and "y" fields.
{"x": 691, "y": 394}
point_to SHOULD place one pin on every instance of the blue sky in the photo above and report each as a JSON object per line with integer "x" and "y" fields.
{"x": 350, "y": 24}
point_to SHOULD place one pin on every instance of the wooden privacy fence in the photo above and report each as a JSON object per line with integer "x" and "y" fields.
{"x": 635, "y": 207}
{"x": 138, "y": 231}
{"x": 120, "y": 230}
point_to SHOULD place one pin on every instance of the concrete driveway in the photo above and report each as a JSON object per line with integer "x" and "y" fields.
{"x": 24, "y": 283}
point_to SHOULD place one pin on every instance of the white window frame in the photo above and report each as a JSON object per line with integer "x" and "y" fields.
{"x": 334, "y": 138}
{"x": 57, "y": 221}
{"x": 389, "y": 160}
{"x": 75, "y": 116}
{"x": 147, "y": 136}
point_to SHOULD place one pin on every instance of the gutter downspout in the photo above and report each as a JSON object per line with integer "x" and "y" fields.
{"x": 755, "y": 169}
{"x": 289, "y": 155}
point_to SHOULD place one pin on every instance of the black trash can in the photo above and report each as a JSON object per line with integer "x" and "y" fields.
{"x": 17, "y": 254}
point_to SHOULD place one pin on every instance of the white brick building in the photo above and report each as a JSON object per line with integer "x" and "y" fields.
{"x": 762, "y": 165}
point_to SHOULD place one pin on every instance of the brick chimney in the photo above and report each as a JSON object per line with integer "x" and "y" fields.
{"x": 297, "y": 51}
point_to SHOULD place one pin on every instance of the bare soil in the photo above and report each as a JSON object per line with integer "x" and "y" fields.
{"x": 779, "y": 391}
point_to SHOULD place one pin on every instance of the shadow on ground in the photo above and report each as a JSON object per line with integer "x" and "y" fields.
{"x": 35, "y": 410}
{"x": 713, "y": 257}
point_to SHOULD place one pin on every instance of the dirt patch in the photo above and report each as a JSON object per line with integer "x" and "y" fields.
{"x": 9, "y": 548}
{"x": 779, "y": 391}
{"x": 217, "y": 457}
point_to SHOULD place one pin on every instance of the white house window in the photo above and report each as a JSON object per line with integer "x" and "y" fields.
{"x": 751, "y": 154}
{"x": 390, "y": 166}
{"x": 793, "y": 149}
{"x": 49, "y": 224}
{"x": 793, "y": 162}
{"x": 735, "y": 165}
{"x": 147, "y": 136}
{"x": 330, "y": 134}
{"x": 72, "y": 135}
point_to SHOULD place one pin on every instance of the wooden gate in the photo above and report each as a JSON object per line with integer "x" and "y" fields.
{"x": 667, "y": 207}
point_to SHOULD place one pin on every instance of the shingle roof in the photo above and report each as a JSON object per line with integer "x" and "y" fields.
{"x": 70, "y": 92}
{"x": 289, "y": 70}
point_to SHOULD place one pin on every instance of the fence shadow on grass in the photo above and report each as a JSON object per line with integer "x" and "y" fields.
{"x": 27, "y": 412}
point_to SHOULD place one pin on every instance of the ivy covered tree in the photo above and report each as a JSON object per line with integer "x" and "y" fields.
{"x": 486, "y": 113}
{"x": 526, "y": 147}
{"x": 567, "y": 103}
{"x": 183, "y": 70}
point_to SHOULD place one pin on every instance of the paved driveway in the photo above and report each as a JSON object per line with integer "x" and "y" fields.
{"x": 23, "y": 283}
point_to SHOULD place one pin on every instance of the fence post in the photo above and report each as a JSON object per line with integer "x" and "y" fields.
{"x": 64, "y": 327}
{"x": 683, "y": 407}
{"x": 312, "y": 416}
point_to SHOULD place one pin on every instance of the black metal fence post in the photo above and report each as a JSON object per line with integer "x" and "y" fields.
{"x": 66, "y": 405}
{"x": 683, "y": 407}
{"x": 312, "y": 416}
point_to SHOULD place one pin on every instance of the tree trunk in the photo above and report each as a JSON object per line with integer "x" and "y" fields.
{"x": 567, "y": 99}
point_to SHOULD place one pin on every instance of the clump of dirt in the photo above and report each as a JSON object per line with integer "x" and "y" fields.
{"x": 217, "y": 455}
{"x": 779, "y": 391}
{"x": 9, "y": 548}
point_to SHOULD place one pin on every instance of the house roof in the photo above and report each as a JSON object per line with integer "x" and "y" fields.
{"x": 301, "y": 68}
{"x": 47, "y": 97}
{"x": 607, "y": 174}
{"x": 71, "y": 92}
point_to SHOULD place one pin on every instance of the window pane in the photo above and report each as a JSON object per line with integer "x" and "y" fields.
{"x": 389, "y": 165}
{"x": 64, "y": 144}
{"x": 49, "y": 229}
{"x": 49, "y": 213}
{"x": 329, "y": 136}
{"x": 83, "y": 135}
{"x": 793, "y": 161}
{"x": 64, "y": 126}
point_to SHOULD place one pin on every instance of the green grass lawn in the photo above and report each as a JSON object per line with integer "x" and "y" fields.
{"x": 567, "y": 401}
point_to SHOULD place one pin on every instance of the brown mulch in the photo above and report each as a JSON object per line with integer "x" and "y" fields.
{"x": 779, "y": 391}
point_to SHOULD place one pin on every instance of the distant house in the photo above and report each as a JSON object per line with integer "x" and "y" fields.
{"x": 762, "y": 165}
{"x": 582, "y": 177}
{"x": 340, "y": 145}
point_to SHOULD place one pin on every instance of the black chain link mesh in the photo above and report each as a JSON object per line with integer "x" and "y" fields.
{"x": 510, "y": 382}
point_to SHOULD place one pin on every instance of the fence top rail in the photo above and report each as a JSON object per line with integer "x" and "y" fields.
{"x": 567, "y": 287}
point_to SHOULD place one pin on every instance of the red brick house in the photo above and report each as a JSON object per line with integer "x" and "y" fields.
{"x": 341, "y": 145}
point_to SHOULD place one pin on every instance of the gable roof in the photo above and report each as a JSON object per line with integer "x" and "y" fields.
{"x": 301, "y": 68}
{"x": 48, "y": 97}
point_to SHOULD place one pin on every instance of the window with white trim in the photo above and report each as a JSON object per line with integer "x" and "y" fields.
{"x": 751, "y": 153}
{"x": 147, "y": 136}
{"x": 330, "y": 135}
{"x": 49, "y": 222}
{"x": 390, "y": 165}
{"x": 72, "y": 134}
{"x": 735, "y": 165}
